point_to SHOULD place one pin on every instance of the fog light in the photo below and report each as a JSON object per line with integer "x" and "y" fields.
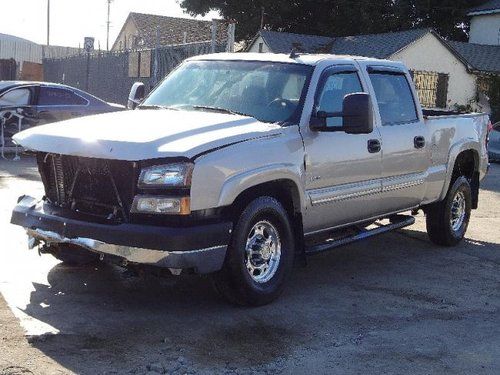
{"x": 161, "y": 205}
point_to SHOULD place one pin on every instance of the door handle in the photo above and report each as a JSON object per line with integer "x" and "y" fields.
{"x": 374, "y": 146}
{"x": 419, "y": 142}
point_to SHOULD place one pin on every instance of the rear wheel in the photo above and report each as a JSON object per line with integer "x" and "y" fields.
{"x": 447, "y": 221}
{"x": 73, "y": 255}
{"x": 260, "y": 255}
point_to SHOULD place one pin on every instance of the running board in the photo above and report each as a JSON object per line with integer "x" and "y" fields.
{"x": 396, "y": 222}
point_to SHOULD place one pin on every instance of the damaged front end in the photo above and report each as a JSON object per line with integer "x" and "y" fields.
{"x": 90, "y": 203}
{"x": 100, "y": 188}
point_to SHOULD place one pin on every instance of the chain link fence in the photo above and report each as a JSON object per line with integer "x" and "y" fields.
{"x": 110, "y": 75}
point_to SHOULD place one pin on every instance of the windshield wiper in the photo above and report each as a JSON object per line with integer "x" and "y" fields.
{"x": 157, "y": 107}
{"x": 221, "y": 110}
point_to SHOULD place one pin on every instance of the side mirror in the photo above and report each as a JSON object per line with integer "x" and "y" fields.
{"x": 136, "y": 96}
{"x": 357, "y": 116}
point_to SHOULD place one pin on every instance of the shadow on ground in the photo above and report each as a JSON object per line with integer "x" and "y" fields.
{"x": 386, "y": 300}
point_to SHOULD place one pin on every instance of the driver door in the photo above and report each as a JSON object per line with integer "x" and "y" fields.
{"x": 342, "y": 171}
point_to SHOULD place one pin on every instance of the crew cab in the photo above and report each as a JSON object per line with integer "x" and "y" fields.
{"x": 238, "y": 164}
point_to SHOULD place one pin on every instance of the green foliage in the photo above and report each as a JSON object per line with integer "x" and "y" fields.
{"x": 340, "y": 17}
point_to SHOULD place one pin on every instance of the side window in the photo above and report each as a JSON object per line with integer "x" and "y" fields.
{"x": 16, "y": 97}
{"x": 394, "y": 97}
{"x": 55, "y": 96}
{"x": 331, "y": 95}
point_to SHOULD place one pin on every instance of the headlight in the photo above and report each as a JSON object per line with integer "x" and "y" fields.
{"x": 168, "y": 175}
{"x": 144, "y": 204}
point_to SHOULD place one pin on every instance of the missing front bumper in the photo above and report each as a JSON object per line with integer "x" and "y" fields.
{"x": 201, "y": 248}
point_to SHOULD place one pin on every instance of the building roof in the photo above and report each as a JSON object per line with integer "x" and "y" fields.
{"x": 13, "y": 38}
{"x": 372, "y": 45}
{"x": 492, "y": 6}
{"x": 172, "y": 29}
{"x": 378, "y": 45}
{"x": 279, "y": 42}
{"x": 479, "y": 57}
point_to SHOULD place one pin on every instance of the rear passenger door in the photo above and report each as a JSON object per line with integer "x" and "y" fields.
{"x": 405, "y": 150}
{"x": 59, "y": 103}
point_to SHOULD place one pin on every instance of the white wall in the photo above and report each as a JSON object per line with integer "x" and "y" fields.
{"x": 255, "y": 46}
{"x": 429, "y": 54}
{"x": 485, "y": 29}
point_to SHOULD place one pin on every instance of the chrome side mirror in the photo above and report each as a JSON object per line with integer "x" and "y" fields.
{"x": 136, "y": 96}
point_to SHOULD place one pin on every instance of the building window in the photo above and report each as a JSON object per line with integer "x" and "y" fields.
{"x": 261, "y": 47}
{"x": 432, "y": 88}
{"x": 139, "y": 64}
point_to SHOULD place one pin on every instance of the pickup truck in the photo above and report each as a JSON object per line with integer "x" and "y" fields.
{"x": 240, "y": 165}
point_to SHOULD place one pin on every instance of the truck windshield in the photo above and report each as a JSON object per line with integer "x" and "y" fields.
{"x": 267, "y": 91}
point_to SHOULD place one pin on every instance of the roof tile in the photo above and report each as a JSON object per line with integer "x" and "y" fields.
{"x": 372, "y": 45}
{"x": 172, "y": 29}
{"x": 484, "y": 58}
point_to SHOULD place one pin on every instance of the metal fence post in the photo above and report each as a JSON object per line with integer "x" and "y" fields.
{"x": 87, "y": 81}
{"x": 156, "y": 63}
{"x": 214, "y": 36}
{"x": 231, "y": 28}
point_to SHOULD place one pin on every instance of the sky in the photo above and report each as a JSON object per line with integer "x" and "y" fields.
{"x": 72, "y": 20}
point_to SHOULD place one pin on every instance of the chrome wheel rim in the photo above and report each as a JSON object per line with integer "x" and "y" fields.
{"x": 262, "y": 252}
{"x": 457, "y": 211}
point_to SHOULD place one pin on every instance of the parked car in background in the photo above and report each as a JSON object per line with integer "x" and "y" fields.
{"x": 494, "y": 143}
{"x": 42, "y": 103}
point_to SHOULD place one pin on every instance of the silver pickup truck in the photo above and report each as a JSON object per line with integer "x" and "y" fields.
{"x": 238, "y": 164}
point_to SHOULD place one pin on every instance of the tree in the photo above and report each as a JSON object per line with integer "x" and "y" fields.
{"x": 340, "y": 17}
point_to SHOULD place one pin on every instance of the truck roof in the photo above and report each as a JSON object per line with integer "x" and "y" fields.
{"x": 306, "y": 59}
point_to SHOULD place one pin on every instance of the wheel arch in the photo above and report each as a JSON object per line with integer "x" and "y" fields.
{"x": 285, "y": 190}
{"x": 464, "y": 161}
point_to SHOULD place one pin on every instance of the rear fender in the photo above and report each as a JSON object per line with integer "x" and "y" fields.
{"x": 455, "y": 150}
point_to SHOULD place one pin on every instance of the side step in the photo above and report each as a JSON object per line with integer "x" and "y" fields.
{"x": 395, "y": 222}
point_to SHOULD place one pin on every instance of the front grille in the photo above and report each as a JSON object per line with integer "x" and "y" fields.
{"x": 98, "y": 187}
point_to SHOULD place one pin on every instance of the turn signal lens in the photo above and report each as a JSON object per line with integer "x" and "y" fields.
{"x": 161, "y": 205}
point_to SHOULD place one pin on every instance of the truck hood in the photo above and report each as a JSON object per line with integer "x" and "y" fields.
{"x": 144, "y": 134}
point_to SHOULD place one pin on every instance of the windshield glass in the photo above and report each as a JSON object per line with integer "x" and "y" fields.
{"x": 269, "y": 92}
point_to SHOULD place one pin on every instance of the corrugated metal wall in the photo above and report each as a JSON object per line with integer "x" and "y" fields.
{"x": 32, "y": 52}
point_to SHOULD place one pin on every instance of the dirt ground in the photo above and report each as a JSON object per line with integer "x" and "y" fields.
{"x": 394, "y": 304}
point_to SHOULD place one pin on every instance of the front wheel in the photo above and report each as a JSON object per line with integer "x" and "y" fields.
{"x": 447, "y": 221}
{"x": 260, "y": 255}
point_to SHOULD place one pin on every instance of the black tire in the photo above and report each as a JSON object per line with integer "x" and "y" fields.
{"x": 439, "y": 215}
{"x": 73, "y": 255}
{"x": 235, "y": 281}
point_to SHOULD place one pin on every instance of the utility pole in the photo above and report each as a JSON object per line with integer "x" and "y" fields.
{"x": 108, "y": 23}
{"x": 262, "y": 14}
{"x": 48, "y": 22}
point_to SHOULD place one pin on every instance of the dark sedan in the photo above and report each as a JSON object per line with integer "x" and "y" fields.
{"x": 41, "y": 103}
{"x": 494, "y": 143}
{"x": 52, "y": 102}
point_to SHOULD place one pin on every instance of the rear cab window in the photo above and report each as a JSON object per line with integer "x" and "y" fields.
{"x": 394, "y": 96}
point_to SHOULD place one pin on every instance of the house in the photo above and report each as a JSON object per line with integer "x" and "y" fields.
{"x": 485, "y": 23}
{"x": 443, "y": 76}
{"x": 140, "y": 31}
